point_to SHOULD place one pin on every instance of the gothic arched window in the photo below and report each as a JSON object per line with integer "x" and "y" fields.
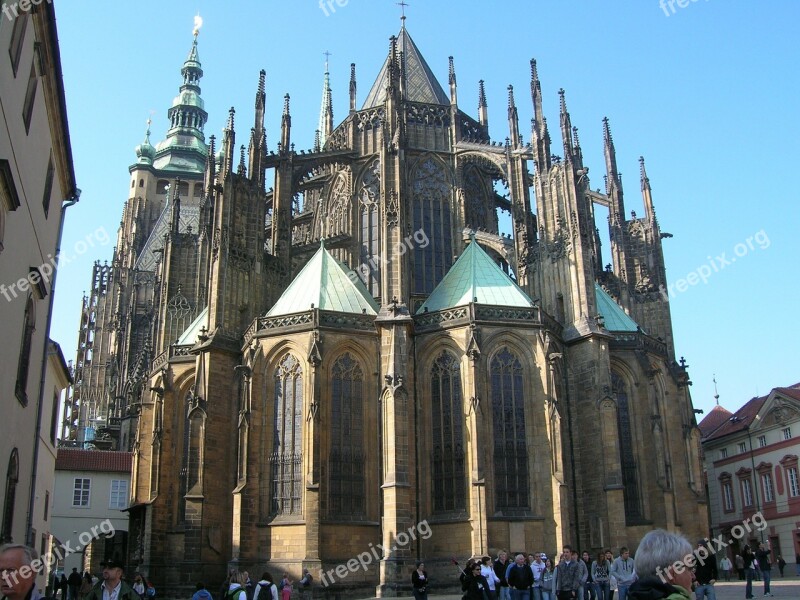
{"x": 510, "y": 448}
{"x": 12, "y": 478}
{"x": 369, "y": 239}
{"x": 287, "y": 454}
{"x": 431, "y": 201}
{"x": 338, "y": 219}
{"x": 447, "y": 429}
{"x": 346, "y": 480}
{"x": 23, "y": 366}
{"x": 630, "y": 477}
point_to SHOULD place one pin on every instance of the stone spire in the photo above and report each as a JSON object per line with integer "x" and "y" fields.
{"x": 286, "y": 126}
{"x": 483, "y": 109}
{"x": 540, "y": 137}
{"x": 352, "y": 87}
{"x": 513, "y": 118}
{"x": 326, "y": 109}
{"x": 566, "y": 127}
{"x": 452, "y": 81}
{"x": 647, "y": 192}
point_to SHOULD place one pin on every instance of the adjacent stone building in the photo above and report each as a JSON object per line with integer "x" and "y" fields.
{"x": 309, "y": 370}
{"x": 750, "y": 461}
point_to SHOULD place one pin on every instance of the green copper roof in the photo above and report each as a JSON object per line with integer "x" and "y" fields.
{"x": 327, "y": 284}
{"x": 475, "y": 278}
{"x": 190, "y": 335}
{"x": 421, "y": 84}
{"x": 615, "y": 317}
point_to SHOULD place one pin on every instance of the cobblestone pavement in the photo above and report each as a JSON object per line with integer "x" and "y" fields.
{"x": 787, "y": 589}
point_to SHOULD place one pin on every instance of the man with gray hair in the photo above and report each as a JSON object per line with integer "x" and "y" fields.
{"x": 663, "y": 566}
{"x": 19, "y": 565}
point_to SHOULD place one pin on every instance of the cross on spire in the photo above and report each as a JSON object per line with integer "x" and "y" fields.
{"x": 402, "y": 4}
{"x": 327, "y": 56}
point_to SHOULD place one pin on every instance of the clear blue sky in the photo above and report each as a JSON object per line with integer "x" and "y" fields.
{"x": 708, "y": 95}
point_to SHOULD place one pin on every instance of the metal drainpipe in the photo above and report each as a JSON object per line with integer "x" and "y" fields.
{"x": 70, "y": 201}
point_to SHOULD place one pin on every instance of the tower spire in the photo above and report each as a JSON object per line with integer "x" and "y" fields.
{"x": 483, "y": 110}
{"x": 352, "y": 87}
{"x": 540, "y": 138}
{"x": 187, "y": 115}
{"x": 258, "y": 134}
{"x": 566, "y": 126}
{"x": 286, "y": 126}
{"x": 452, "y": 81}
{"x": 613, "y": 180}
{"x": 647, "y": 193}
{"x": 513, "y": 118}
{"x": 716, "y": 393}
{"x": 326, "y": 109}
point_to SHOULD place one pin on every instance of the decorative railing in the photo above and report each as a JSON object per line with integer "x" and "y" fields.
{"x": 461, "y": 315}
{"x": 311, "y": 319}
{"x": 173, "y": 351}
{"x": 639, "y": 340}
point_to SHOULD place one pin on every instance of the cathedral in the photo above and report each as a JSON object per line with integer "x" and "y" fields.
{"x": 316, "y": 354}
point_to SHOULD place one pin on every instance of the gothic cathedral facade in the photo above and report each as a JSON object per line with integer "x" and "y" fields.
{"x": 314, "y": 369}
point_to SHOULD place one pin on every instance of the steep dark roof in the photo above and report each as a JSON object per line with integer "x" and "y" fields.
{"x": 75, "y": 459}
{"x": 714, "y": 420}
{"x": 740, "y": 420}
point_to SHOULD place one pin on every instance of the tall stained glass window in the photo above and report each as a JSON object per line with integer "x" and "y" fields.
{"x": 287, "y": 453}
{"x": 447, "y": 427}
{"x": 630, "y": 478}
{"x": 431, "y": 201}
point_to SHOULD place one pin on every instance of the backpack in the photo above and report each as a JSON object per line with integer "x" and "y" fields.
{"x": 150, "y": 591}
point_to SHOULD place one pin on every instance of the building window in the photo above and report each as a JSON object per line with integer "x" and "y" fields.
{"x": 794, "y": 485}
{"x": 447, "y": 424}
{"x": 30, "y": 97}
{"x": 431, "y": 195}
{"x": 747, "y": 492}
{"x": 23, "y": 366}
{"x": 723, "y": 453}
{"x": 769, "y": 492}
{"x": 347, "y": 481}
{"x": 118, "y": 498}
{"x": 287, "y": 454}
{"x": 787, "y": 433}
{"x": 54, "y": 419}
{"x": 727, "y": 496}
{"x": 12, "y": 478}
{"x": 369, "y": 241}
{"x": 17, "y": 38}
{"x": 630, "y": 479}
{"x": 510, "y": 448}
{"x": 742, "y": 447}
{"x": 81, "y": 492}
{"x": 48, "y": 187}
{"x": 762, "y": 441}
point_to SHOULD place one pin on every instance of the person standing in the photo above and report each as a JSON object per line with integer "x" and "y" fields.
{"x": 548, "y": 579}
{"x": 113, "y": 587}
{"x": 797, "y": 564}
{"x": 266, "y": 588}
{"x": 201, "y": 593}
{"x": 86, "y": 586}
{"x": 286, "y": 587}
{"x": 568, "y": 578}
{"x": 739, "y": 566}
{"x": 537, "y": 568}
{"x": 705, "y": 572}
{"x": 781, "y": 564}
{"x": 765, "y": 566}
{"x": 747, "y": 560}
{"x": 612, "y": 581}
{"x": 74, "y": 581}
{"x": 477, "y": 586}
{"x": 305, "y": 585}
{"x": 500, "y": 567}
{"x": 520, "y": 579}
{"x": 138, "y": 584}
{"x": 622, "y": 569}
{"x": 600, "y": 575}
{"x": 726, "y": 565}
{"x": 588, "y": 586}
{"x": 487, "y": 570}
{"x": 419, "y": 581}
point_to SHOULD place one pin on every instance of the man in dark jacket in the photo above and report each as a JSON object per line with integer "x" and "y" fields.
{"x": 520, "y": 579}
{"x": 74, "y": 582}
{"x": 500, "y": 568}
{"x": 765, "y": 565}
{"x": 705, "y": 572}
{"x": 113, "y": 583}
